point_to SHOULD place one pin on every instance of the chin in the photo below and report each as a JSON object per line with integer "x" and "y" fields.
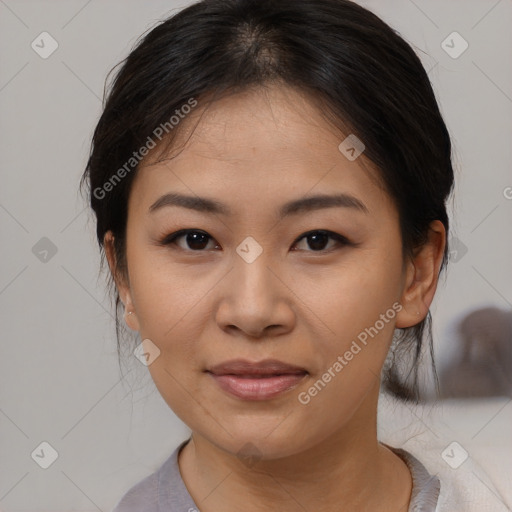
{"x": 252, "y": 442}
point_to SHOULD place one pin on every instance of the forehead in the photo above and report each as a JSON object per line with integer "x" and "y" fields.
{"x": 260, "y": 116}
{"x": 257, "y": 142}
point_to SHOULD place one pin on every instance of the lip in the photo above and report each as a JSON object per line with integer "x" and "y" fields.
{"x": 261, "y": 380}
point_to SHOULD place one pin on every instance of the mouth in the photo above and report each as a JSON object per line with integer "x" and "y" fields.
{"x": 261, "y": 380}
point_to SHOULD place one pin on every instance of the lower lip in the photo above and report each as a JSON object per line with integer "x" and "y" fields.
{"x": 254, "y": 388}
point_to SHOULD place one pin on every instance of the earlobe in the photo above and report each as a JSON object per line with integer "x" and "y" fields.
{"x": 123, "y": 289}
{"x": 131, "y": 319}
{"x": 421, "y": 277}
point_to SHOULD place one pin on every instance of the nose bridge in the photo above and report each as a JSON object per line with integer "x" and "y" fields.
{"x": 253, "y": 298}
{"x": 252, "y": 275}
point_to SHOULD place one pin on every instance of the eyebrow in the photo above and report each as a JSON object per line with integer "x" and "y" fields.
{"x": 303, "y": 205}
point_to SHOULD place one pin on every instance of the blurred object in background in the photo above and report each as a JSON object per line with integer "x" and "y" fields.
{"x": 482, "y": 365}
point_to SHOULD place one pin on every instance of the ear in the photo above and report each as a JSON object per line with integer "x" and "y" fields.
{"x": 121, "y": 281}
{"x": 421, "y": 277}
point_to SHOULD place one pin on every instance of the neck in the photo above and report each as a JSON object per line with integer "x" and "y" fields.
{"x": 349, "y": 470}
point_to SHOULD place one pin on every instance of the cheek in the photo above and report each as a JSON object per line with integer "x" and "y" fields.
{"x": 360, "y": 308}
{"x": 352, "y": 296}
{"x": 164, "y": 295}
{"x": 359, "y": 303}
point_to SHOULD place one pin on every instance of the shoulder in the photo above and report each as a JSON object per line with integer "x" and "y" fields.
{"x": 162, "y": 489}
{"x": 465, "y": 445}
{"x": 143, "y": 496}
{"x": 468, "y": 487}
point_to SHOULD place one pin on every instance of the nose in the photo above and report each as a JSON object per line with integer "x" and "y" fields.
{"x": 255, "y": 299}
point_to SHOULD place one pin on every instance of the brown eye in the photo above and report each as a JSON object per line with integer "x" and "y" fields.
{"x": 193, "y": 240}
{"x": 318, "y": 240}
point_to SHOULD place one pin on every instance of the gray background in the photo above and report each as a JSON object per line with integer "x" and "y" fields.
{"x": 59, "y": 377}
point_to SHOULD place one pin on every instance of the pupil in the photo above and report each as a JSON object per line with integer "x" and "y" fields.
{"x": 197, "y": 240}
{"x": 317, "y": 241}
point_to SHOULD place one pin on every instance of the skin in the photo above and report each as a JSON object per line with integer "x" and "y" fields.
{"x": 302, "y": 305}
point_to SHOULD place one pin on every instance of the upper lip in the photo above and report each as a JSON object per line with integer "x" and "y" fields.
{"x": 265, "y": 367}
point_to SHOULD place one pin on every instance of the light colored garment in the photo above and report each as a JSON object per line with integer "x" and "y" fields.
{"x": 165, "y": 491}
{"x": 465, "y": 443}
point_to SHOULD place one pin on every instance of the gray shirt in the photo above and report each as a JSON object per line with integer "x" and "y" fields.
{"x": 165, "y": 491}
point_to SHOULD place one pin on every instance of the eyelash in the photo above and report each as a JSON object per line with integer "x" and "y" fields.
{"x": 173, "y": 237}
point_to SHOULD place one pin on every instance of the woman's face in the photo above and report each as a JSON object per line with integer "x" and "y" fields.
{"x": 250, "y": 285}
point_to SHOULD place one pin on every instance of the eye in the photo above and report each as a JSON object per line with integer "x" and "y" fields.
{"x": 318, "y": 239}
{"x": 194, "y": 240}
{"x": 197, "y": 240}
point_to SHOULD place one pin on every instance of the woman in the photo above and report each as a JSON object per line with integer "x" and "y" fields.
{"x": 269, "y": 179}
